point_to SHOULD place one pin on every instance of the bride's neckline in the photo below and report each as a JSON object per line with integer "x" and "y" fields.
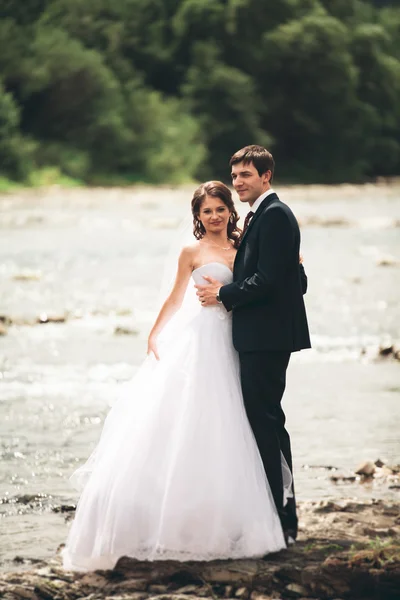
{"x": 213, "y": 262}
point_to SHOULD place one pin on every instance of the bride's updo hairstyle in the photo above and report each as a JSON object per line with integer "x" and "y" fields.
{"x": 216, "y": 189}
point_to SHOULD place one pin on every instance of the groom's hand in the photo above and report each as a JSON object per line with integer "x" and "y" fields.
{"x": 207, "y": 294}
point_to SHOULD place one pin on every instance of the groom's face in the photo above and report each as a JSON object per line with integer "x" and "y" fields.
{"x": 248, "y": 183}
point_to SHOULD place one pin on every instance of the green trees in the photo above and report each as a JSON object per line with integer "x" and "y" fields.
{"x": 314, "y": 114}
{"x": 14, "y": 153}
{"x": 167, "y": 90}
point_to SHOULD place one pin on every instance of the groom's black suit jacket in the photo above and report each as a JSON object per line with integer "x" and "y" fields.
{"x": 266, "y": 295}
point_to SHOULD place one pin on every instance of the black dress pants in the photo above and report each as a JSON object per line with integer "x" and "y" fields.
{"x": 263, "y": 379}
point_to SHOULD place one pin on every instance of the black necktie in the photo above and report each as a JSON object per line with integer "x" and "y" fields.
{"x": 246, "y": 222}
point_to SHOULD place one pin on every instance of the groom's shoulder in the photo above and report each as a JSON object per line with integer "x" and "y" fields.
{"x": 279, "y": 208}
{"x": 277, "y": 204}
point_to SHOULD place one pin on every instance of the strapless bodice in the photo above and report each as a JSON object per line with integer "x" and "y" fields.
{"x": 217, "y": 270}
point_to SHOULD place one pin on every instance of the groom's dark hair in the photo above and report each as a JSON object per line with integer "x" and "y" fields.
{"x": 258, "y": 155}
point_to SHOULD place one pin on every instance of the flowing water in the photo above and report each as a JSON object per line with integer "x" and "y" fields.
{"x": 94, "y": 259}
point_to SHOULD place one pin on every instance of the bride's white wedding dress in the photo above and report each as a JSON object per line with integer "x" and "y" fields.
{"x": 177, "y": 473}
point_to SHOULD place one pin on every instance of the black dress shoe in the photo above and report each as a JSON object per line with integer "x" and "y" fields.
{"x": 290, "y": 537}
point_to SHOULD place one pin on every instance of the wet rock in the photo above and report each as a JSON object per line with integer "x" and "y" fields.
{"x": 386, "y": 350}
{"x": 125, "y": 331}
{"x": 366, "y": 468}
{"x": 28, "y": 276}
{"x": 132, "y": 585}
{"x": 64, "y": 508}
{"x": 261, "y": 596}
{"x": 339, "y": 554}
{"x": 44, "y": 318}
{"x": 93, "y": 580}
{"x": 158, "y": 589}
{"x": 295, "y": 590}
{"x": 134, "y": 596}
{"x": 379, "y": 463}
{"x": 327, "y": 467}
{"x": 328, "y": 506}
{"x": 387, "y": 261}
{"x": 196, "y": 590}
{"x": 22, "y": 560}
{"x": 379, "y": 533}
{"x": 390, "y": 511}
{"x": 45, "y": 590}
{"x": 123, "y": 312}
{"x": 5, "y": 320}
{"x": 26, "y": 499}
{"x": 343, "y": 478}
{"x": 19, "y": 591}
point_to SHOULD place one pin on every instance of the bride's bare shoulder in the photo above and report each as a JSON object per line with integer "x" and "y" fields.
{"x": 191, "y": 250}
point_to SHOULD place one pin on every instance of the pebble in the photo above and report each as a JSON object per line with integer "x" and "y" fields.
{"x": 366, "y": 468}
{"x": 125, "y": 331}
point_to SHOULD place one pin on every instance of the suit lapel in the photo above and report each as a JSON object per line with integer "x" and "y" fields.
{"x": 257, "y": 214}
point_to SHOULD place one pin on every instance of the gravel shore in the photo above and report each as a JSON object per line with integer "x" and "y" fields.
{"x": 345, "y": 550}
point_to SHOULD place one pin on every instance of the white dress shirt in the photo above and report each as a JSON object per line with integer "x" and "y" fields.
{"x": 253, "y": 209}
{"x": 260, "y": 199}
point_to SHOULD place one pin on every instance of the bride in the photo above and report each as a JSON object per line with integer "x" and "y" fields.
{"x": 177, "y": 473}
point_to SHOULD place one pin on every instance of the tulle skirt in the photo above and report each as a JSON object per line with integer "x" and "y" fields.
{"x": 177, "y": 473}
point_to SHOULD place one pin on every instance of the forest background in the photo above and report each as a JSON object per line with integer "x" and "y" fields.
{"x": 164, "y": 91}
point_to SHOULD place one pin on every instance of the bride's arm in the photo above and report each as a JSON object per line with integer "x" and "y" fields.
{"x": 174, "y": 301}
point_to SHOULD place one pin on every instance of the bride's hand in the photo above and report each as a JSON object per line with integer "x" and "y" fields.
{"x": 152, "y": 346}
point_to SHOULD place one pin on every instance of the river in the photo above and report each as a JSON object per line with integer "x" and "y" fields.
{"x": 93, "y": 258}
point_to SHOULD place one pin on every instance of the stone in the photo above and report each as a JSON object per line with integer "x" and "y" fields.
{"x": 125, "y": 331}
{"x": 386, "y": 261}
{"x": 45, "y": 318}
{"x": 129, "y": 585}
{"x": 132, "y": 596}
{"x": 328, "y": 506}
{"x": 157, "y": 589}
{"x": 93, "y": 580}
{"x": 260, "y": 596}
{"x": 64, "y": 508}
{"x": 348, "y": 478}
{"x": 334, "y": 558}
{"x": 189, "y": 589}
{"x": 242, "y": 593}
{"x": 378, "y": 532}
{"x": 44, "y": 590}
{"x": 366, "y": 468}
{"x": 5, "y": 320}
{"x": 21, "y": 591}
{"x": 296, "y": 590}
{"x": 28, "y": 276}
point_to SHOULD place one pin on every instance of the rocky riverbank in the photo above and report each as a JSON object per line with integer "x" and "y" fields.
{"x": 346, "y": 550}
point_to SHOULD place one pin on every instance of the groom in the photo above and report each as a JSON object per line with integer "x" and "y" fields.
{"x": 268, "y": 315}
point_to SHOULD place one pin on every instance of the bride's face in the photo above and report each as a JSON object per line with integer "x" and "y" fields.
{"x": 214, "y": 214}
